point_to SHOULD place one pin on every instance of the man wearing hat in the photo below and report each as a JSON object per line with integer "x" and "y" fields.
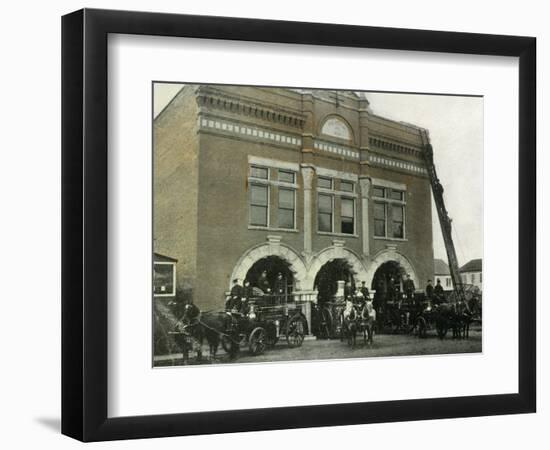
{"x": 234, "y": 302}
{"x": 279, "y": 288}
{"x": 429, "y": 291}
{"x": 439, "y": 293}
{"x": 409, "y": 288}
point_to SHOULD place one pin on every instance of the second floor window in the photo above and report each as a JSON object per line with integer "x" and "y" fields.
{"x": 286, "y": 208}
{"x": 398, "y": 216}
{"x": 347, "y": 186}
{"x": 259, "y": 172}
{"x": 380, "y": 219}
{"x": 389, "y": 212}
{"x": 324, "y": 183}
{"x": 325, "y": 212}
{"x": 259, "y": 205}
{"x": 272, "y": 197}
{"x": 347, "y": 216}
{"x": 286, "y": 176}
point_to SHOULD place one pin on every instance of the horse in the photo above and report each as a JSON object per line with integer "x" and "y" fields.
{"x": 466, "y": 309}
{"x": 467, "y": 312}
{"x": 190, "y": 332}
{"x": 367, "y": 322}
{"x": 212, "y": 326}
{"x": 444, "y": 318}
{"x": 349, "y": 323}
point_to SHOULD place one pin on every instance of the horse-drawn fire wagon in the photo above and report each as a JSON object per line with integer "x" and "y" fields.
{"x": 267, "y": 319}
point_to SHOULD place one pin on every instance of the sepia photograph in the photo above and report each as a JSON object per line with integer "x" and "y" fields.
{"x": 295, "y": 224}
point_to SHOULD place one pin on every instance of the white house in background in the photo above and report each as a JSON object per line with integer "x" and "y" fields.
{"x": 442, "y": 273}
{"x": 472, "y": 273}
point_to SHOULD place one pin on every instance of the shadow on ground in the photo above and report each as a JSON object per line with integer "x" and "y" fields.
{"x": 52, "y": 423}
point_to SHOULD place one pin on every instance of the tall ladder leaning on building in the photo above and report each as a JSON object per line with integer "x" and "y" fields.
{"x": 445, "y": 221}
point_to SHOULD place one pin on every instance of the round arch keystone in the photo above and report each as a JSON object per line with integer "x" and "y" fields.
{"x": 283, "y": 251}
{"x": 386, "y": 256}
{"x": 329, "y": 254}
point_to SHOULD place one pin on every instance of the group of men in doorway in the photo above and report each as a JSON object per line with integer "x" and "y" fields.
{"x": 390, "y": 292}
{"x": 239, "y": 297}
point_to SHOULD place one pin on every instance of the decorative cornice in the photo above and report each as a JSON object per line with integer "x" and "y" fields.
{"x": 383, "y": 144}
{"x": 209, "y": 98}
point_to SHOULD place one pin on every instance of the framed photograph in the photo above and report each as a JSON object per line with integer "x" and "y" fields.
{"x": 273, "y": 225}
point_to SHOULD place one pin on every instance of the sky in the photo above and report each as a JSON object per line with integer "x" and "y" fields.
{"x": 455, "y": 124}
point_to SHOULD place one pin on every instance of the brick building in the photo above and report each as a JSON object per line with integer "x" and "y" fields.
{"x": 310, "y": 183}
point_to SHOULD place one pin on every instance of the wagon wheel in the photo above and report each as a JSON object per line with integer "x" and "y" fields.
{"x": 422, "y": 327}
{"x": 257, "y": 341}
{"x": 295, "y": 331}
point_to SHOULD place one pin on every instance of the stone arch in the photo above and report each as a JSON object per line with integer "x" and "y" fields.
{"x": 330, "y": 254}
{"x": 390, "y": 255}
{"x": 329, "y": 126}
{"x": 258, "y": 252}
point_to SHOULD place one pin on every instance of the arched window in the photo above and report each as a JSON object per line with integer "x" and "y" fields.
{"x": 336, "y": 127}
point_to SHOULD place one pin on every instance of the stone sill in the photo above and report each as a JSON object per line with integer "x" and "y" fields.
{"x": 326, "y": 233}
{"x": 378, "y": 238}
{"x": 285, "y": 230}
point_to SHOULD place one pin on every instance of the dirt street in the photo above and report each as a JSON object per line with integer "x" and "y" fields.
{"x": 384, "y": 345}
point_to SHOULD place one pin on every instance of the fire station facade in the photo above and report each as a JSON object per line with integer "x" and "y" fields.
{"x": 301, "y": 178}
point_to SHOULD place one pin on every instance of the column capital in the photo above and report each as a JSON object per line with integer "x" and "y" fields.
{"x": 308, "y": 171}
{"x": 365, "y": 184}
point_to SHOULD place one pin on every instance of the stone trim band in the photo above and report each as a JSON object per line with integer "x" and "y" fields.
{"x": 254, "y": 132}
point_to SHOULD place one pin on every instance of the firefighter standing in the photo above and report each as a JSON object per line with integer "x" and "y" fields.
{"x": 439, "y": 293}
{"x": 409, "y": 288}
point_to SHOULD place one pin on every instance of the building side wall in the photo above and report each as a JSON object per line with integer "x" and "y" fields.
{"x": 175, "y": 186}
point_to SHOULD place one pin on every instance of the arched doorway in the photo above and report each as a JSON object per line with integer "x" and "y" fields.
{"x": 272, "y": 266}
{"x": 328, "y": 276}
{"x": 395, "y": 257}
{"x": 388, "y": 278}
{"x": 336, "y": 252}
{"x": 259, "y": 252}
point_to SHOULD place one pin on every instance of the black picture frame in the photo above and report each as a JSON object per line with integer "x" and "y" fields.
{"x": 84, "y": 224}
